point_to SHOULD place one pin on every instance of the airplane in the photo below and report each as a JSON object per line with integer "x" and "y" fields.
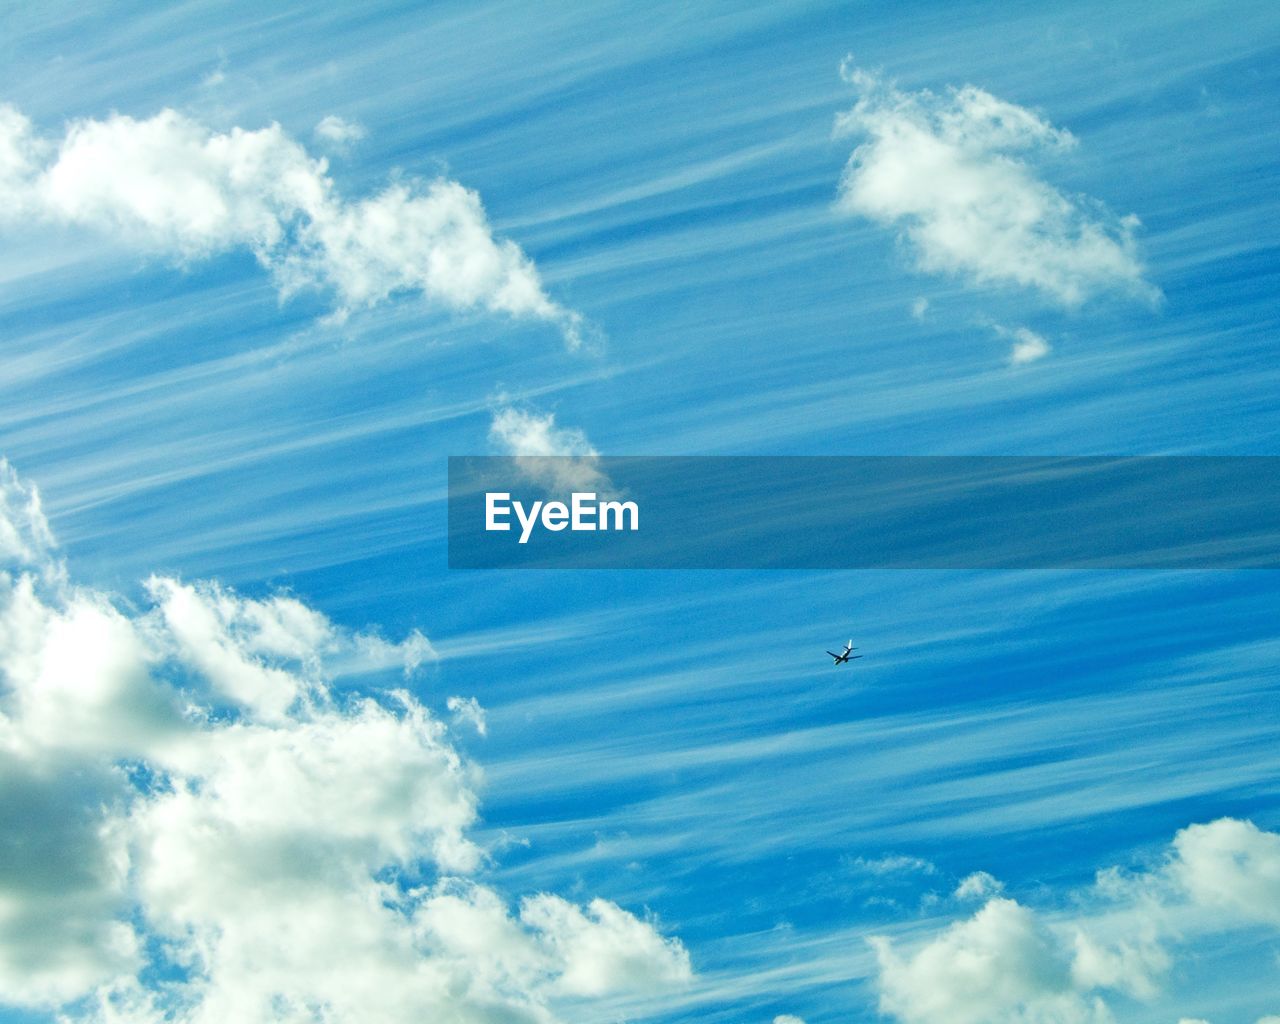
{"x": 846, "y": 655}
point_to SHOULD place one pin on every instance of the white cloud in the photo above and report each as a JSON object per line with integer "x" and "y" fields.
{"x": 171, "y": 185}
{"x": 1000, "y": 965}
{"x": 893, "y": 864}
{"x": 558, "y": 458}
{"x": 978, "y": 885}
{"x": 25, "y": 537}
{"x": 468, "y": 709}
{"x": 604, "y": 949}
{"x": 522, "y": 432}
{"x": 919, "y": 308}
{"x": 1027, "y": 346}
{"x": 1010, "y": 964}
{"x": 954, "y": 174}
{"x": 787, "y": 1018}
{"x": 338, "y": 131}
{"x": 1232, "y": 867}
{"x": 185, "y": 794}
{"x": 20, "y": 155}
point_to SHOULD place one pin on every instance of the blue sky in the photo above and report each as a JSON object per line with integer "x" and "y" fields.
{"x": 669, "y": 742}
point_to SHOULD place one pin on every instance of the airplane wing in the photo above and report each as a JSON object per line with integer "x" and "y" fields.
{"x": 838, "y": 656}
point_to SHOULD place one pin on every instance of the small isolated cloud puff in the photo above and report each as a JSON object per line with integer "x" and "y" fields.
{"x": 338, "y": 131}
{"x": 952, "y": 172}
{"x": 787, "y": 1018}
{"x": 211, "y": 830}
{"x": 557, "y": 458}
{"x": 1009, "y": 964}
{"x": 1026, "y": 345}
{"x": 169, "y": 184}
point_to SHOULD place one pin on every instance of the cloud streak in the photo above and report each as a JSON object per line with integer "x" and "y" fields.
{"x": 173, "y": 186}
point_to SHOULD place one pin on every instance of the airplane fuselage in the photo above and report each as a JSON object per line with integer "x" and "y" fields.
{"x": 843, "y": 657}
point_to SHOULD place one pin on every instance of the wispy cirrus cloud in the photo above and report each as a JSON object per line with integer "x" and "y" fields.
{"x": 955, "y": 174}
{"x": 171, "y": 185}
{"x": 896, "y": 864}
{"x": 197, "y": 802}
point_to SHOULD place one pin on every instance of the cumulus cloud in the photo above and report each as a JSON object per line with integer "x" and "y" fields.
{"x": 1012, "y": 964}
{"x": 171, "y": 185}
{"x": 558, "y": 458}
{"x": 978, "y": 885}
{"x": 1002, "y": 964}
{"x": 604, "y": 949}
{"x": 954, "y": 173}
{"x": 186, "y": 794}
{"x": 1231, "y": 866}
{"x": 522, "y": 432}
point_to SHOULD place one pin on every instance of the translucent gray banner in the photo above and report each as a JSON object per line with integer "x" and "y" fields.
{"x": 864, "y": 512}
